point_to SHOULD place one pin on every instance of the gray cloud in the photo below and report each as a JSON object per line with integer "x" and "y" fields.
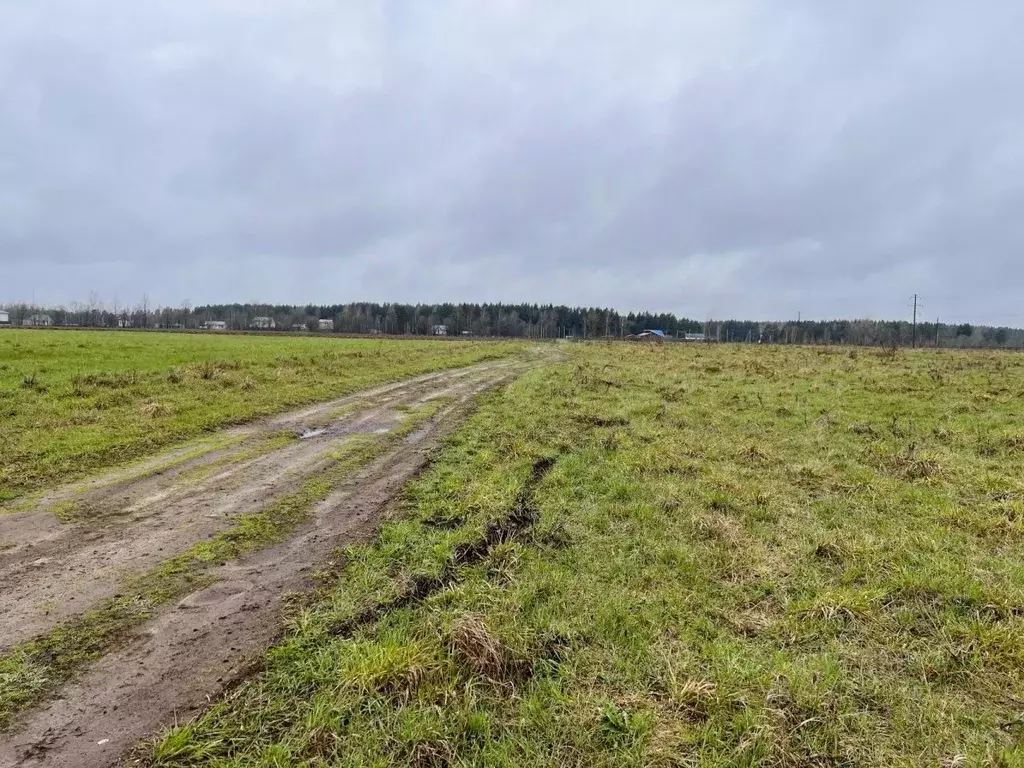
{"x": 747, "y": 159}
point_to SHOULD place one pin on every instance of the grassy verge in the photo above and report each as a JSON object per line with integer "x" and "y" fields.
{"x": 665, "y": 556}
{"x": 74, "y": 402}
{"x": 30, "y": 672}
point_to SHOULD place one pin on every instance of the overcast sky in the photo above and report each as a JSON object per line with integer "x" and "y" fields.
{"x": 751, "y": 159}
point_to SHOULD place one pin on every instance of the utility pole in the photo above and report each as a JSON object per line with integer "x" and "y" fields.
{"x": 936, "y": 333}
{"x": 914, "y": 342}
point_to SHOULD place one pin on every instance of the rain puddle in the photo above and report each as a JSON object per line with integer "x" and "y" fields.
{"x": 308, "y": 433}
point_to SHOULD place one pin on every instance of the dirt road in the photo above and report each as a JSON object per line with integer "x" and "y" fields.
{"x": 129, "y": 522}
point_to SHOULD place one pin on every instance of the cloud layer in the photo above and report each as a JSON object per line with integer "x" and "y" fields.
{"x": 752, "y": 159}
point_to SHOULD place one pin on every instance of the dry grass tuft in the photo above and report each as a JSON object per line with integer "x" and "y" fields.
{"x": 436, "y": 753}
{"x": 755, "y": 453}
{"x": 154, "y": 410}
{"x": 475, "y": 647}
{"x": 693, "y": 699}
{"x": 912, "y": 465}
{"x": 831, "y": 550}
{"x": 863, "y": 428}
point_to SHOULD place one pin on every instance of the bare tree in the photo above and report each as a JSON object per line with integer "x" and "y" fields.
{"x": 94, "y": 306}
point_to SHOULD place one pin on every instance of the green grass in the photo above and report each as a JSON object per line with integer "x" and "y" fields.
{"x": 72, "y": 402}
{"x": 676, "y": 556}
{"x": 33, "y": 671}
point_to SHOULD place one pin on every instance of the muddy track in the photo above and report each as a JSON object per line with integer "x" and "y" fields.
{"x": 131, "y": 522}
{"x": 51, "y": 570}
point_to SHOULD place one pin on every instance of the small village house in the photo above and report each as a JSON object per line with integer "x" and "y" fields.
{"x": 215, "y": 325}
{"x": 439, "y": 330}
{"x": 325, "y": 324}
{"x": 5, "y": 317}
{"x": 38, "y": 319}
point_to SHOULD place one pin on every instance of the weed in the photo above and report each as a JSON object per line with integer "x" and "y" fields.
{"x": 889, "y": 351}
{"x": 206, "y": 370}
{"x": 31, "y": 381}
{"x": 863, "y": 428}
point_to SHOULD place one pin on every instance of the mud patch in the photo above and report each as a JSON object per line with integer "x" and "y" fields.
{"x": 216, "y": 593}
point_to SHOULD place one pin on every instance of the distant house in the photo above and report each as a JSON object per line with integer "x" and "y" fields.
{"x": 694, "y": 337}
{"x": 5, "y": 317}
{"x": 38, "y": 319}
{"x": 325, "y": 324}
{"x": 439, "y": 330}
{"x": 263, "y": 324}
{"x": 299, "y": 327}
{"x": 215, "y": 325}
{"x": 653, "y": 335}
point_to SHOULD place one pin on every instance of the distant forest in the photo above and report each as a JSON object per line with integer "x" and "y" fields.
{"x": 507, "y": 320}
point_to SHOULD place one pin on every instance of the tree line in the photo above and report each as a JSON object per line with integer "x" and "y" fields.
{"x": 506, "y": 320}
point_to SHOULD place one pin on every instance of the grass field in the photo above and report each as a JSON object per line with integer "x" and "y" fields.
{"x": 72, "y": 402}
{"x": 676, "y": 556}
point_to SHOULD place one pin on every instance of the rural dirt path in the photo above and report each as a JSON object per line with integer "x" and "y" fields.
{"x": 132, "y": 521}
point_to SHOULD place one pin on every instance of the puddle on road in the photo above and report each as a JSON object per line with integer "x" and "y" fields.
{"x": 308, "y": 433}
{"x": 419, "y": 434}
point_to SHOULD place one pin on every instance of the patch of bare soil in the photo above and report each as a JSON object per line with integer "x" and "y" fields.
{"x": 188, "y": 653}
